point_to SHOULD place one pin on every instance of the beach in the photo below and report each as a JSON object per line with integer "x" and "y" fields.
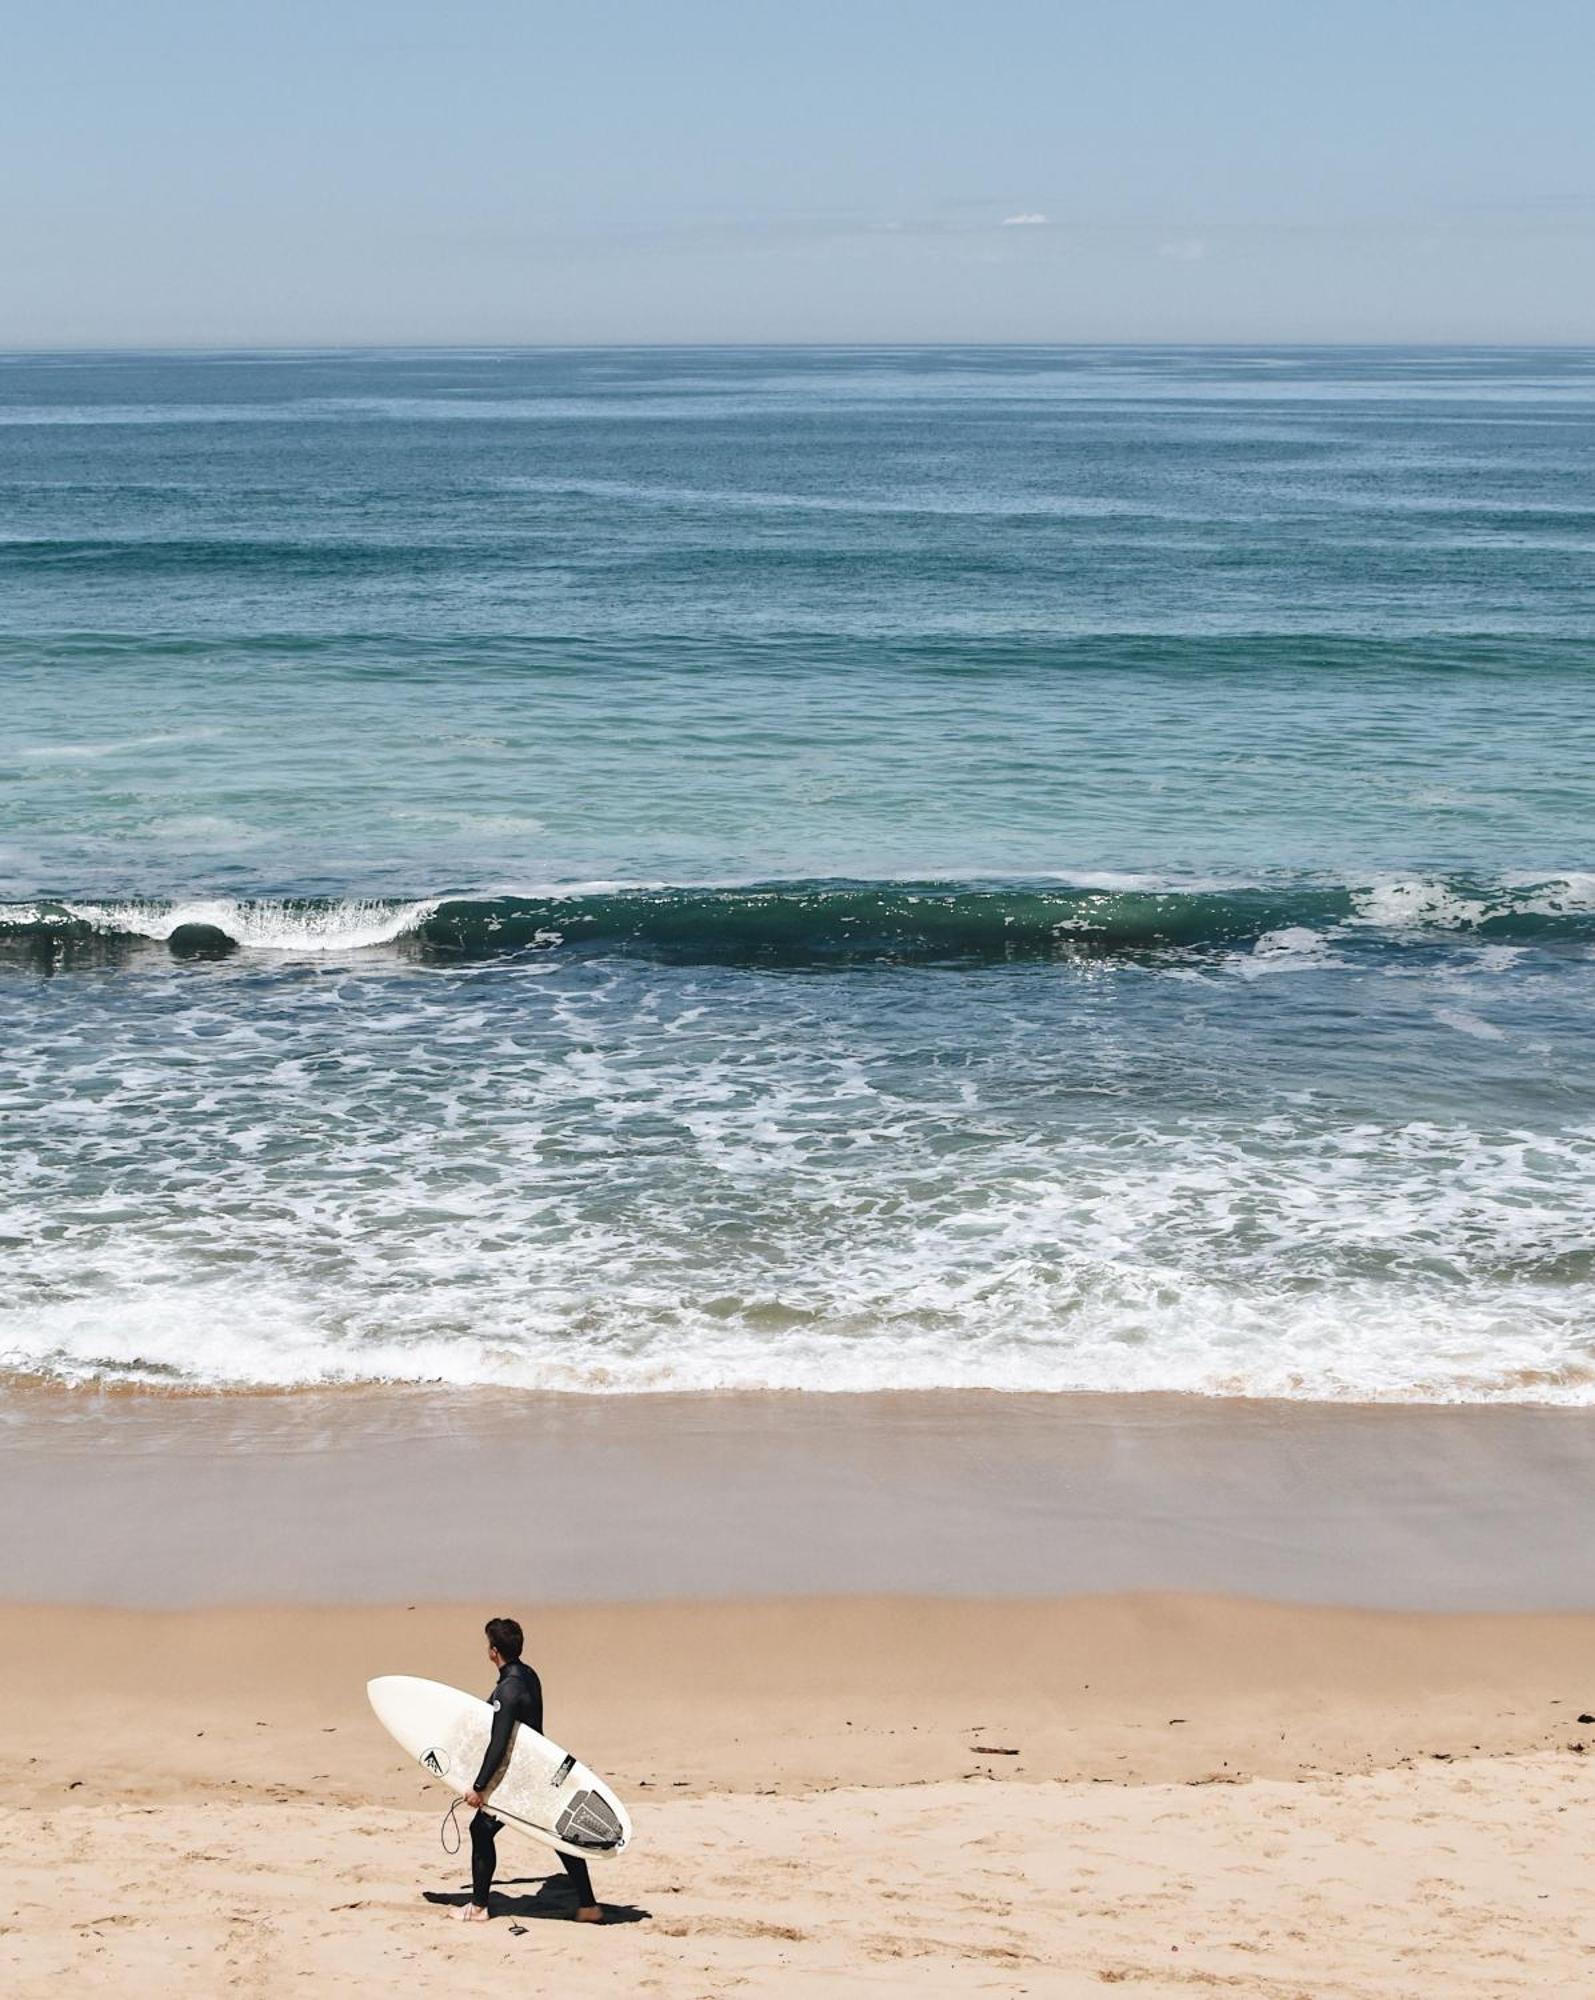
{"x": 1009, "y": 1789}
{"x": 896, "y": 1039}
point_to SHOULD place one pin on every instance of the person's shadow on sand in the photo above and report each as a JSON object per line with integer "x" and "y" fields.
{"x": 553, "y": 1896}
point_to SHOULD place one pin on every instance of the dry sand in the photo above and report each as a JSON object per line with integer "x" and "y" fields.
{"x": 1207, "y": 1795}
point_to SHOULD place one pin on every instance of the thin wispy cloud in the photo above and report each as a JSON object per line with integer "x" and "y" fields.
{"x": 1186, "y": 250}
{"x": 1030, "y": 221}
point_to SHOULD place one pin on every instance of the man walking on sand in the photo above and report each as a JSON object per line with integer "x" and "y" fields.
{"x": 518, "y": 1697}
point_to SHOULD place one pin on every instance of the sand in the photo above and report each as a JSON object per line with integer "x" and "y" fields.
{"x": 1205, "y": 1794}
{"x": 950, "y": 1693}
{"x": 380, "y": 1496}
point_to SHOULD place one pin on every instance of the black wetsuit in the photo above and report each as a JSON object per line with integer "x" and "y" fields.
{"x": 518, "y": 1697}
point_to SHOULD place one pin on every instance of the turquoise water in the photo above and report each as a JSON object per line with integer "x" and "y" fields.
{"x": 823, "y": 869}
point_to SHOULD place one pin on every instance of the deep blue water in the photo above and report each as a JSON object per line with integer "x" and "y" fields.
{"x": 1049, "y": 868}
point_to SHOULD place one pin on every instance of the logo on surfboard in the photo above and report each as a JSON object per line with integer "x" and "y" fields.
{"x": 436, "y": 1761}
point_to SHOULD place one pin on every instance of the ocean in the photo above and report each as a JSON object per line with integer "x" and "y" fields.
{"x": 1061, "y": 869}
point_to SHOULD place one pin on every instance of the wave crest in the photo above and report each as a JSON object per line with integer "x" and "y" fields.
{"x": 799, "y": 924}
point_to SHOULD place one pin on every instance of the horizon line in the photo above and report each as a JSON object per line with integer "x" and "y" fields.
{"x": 920, "y": 344}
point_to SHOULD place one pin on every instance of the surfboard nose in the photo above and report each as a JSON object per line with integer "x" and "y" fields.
{"x": 382, "y": 1694}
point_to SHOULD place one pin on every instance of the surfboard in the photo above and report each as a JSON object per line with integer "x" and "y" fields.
{"x": 539, "y": 1787}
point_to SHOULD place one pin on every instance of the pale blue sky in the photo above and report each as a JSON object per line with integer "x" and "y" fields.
{"x": 213, "y": 172}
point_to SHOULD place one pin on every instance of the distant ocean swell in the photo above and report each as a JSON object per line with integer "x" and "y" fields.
{"x": 818, "y": 924}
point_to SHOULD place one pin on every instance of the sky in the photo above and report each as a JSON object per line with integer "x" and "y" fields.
{"x": 329, "y": 172}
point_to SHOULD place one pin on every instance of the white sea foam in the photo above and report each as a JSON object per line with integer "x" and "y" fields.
{"x": 620, "y": 1183}
{"x": 207, "y": 832}
{"x": 1467, "y": 1022}
{"x": 478, "y": 825}
{"x": 1428, "y": 903}
{"x": 1495, "y": 958}
{"x": 351, "y": 925}
{"x": 1112, "y": 881}
{"x": 1296, "y": 948}
{"x": 1147, "y": 1332}
{"x": 116, "y": 746}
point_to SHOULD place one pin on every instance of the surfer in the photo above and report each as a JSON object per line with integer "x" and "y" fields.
{"x": 518, "y": 1697}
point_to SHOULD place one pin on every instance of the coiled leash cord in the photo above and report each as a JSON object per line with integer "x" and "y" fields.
{"x": 451, "y": 1825}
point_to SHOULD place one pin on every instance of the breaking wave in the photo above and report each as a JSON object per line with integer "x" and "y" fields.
{"x": 819, "y": 924}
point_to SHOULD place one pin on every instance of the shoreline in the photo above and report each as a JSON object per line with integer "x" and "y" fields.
{"x": 372, "y": 1496}
{"x": 24, "y": 1387}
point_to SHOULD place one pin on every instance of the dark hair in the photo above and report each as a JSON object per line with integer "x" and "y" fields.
{"x": 505, "y": 1636}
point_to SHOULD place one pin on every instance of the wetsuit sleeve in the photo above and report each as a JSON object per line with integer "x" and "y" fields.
{"x": 497, "y": 1744}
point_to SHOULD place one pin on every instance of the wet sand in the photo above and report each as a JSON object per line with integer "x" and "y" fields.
{"x": 411, "y": 1495}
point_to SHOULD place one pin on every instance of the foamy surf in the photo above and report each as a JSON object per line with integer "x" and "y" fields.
{"x": 290, "y": 926}
{"x": 567, "y": 1173}
{"x": 1147, "y": 1332}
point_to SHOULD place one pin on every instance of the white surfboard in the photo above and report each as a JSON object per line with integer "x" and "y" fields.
{"x": 539, "y": 1787}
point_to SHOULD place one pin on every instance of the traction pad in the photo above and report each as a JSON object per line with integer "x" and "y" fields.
{"x": 588, "y": 1822}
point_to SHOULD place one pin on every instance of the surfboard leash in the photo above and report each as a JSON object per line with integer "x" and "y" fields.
{"x": 451, "y": 1825}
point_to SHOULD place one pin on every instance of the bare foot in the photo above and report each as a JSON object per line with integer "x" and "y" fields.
{"x": 470, "y": 1913}
{"x": 593, "y": 1913}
